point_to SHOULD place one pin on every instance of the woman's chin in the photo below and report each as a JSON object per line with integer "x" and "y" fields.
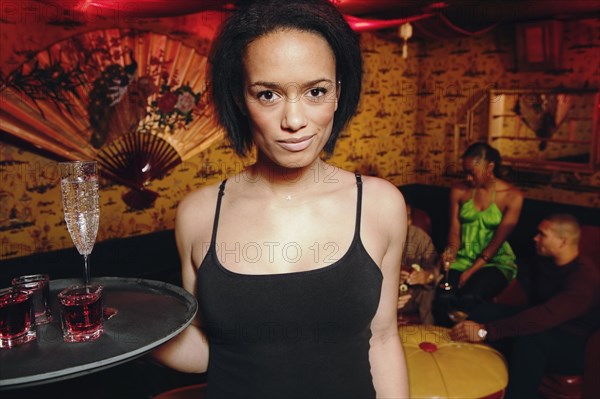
{"x": 294, "y": 160}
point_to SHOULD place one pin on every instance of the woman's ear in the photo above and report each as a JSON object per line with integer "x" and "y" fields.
{"x": 338, "y": 90}
{"x": 490, "y": 168}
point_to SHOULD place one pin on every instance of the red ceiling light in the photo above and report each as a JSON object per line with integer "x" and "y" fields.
{"x": 139, "y": 8}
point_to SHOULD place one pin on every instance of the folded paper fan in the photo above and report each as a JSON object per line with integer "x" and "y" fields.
{"x": 133, "y": 100}
{"x": 543, "y": 113}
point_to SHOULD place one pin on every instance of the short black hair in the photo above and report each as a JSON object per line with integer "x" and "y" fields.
{"x": 565, "y": 225}
{"x": 255, "y": 19}
{"x": 486, "y": 152}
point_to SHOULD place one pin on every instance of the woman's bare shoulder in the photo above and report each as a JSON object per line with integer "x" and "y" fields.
{"x": 379, "y": 185}
{"x": 195, "y": 213}
{"x": 460, "y": 186}
{"x": 460, "y": 191}
{"x": 509, "y": 190}
{"x": 381, "y": 192}
{"x": 199, "y": 200}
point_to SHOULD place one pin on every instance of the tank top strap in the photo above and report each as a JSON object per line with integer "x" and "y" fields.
{"x": 358, "y": 205}
{"x": 217, "y": 212}
{"x": 473, "y": 194}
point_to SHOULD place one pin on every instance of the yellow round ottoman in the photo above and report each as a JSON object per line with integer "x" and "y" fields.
{"x": 441, "y": 368}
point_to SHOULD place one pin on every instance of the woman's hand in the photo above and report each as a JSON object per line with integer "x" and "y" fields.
{"x": 449, "y": 255}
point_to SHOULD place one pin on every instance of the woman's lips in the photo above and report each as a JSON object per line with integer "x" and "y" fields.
{"x": 296, "y": 144}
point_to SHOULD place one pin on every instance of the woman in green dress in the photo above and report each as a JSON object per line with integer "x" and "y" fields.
{"x": 484, "y": 209}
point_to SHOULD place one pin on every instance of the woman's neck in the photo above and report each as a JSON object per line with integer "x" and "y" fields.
{"x": 289, "y": 182}
{"x": 488, "y": 185}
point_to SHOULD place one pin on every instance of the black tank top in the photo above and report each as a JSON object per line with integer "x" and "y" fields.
{"x": 291, "y": 335}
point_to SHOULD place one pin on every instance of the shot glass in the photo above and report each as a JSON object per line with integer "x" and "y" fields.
{"x": 82, "y": 313}
{"x": 39, "y": 285}
{"x": 16, "y": 318}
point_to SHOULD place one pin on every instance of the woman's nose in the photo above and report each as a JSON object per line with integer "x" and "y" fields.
{"x": 293, "y": 117}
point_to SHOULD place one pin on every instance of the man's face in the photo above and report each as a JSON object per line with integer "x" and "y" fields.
{"x": 547, "y": 242}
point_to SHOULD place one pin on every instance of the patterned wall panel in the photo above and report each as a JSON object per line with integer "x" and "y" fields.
{"x": 379, "y": 140}
{"x": 402, "y": 131}
{"x": 455, "y": 73}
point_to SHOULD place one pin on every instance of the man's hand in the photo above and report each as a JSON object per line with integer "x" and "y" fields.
{"x": 403, "y": 300}
{"x": 466, "y": 331}
{"x": 421, "y": 277}
{"x": 404, "y": 276}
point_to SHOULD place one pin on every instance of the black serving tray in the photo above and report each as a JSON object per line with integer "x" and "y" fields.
{"x": 149, "y": 313}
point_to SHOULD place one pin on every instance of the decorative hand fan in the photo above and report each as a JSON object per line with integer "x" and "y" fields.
{"x": 133, "y": 100}
{"x": 543, "y": 113}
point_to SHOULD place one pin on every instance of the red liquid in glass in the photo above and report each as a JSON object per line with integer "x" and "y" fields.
{"x": 15, "y": 315}
{"x": 82, "y": 313}
{"x": 39, "y": 286}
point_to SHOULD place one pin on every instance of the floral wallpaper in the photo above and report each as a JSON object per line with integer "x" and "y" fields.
{"x": 403, "y": 131}
{"x": 380, "y": 139}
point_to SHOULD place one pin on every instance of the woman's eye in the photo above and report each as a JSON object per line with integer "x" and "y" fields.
{"x": 266, "y": 96}
{"x": 316, "y": 93}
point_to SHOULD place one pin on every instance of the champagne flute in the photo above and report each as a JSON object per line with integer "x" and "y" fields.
{"x": 79, "y": 187}
{"x": 447, "y": 258}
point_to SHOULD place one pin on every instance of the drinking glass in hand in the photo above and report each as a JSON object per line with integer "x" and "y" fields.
{"x": 82, "y": 313}
{"x": 447, "y": 259}
{"x": 79, "y": 187}
{"x": 16, "y": 318}
{"x": 403, "y": 292}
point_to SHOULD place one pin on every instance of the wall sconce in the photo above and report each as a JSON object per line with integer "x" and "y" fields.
{"x": 405, "y": 32}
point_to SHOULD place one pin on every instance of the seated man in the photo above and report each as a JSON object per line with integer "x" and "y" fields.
{"x": 418, "y": 250}
{"x": 564, "y": 308}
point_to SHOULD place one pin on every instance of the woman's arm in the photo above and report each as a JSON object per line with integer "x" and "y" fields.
{"x": 188, "y": 351}
{"x": 454, "y": 241}
{"x": 386, "y": 356}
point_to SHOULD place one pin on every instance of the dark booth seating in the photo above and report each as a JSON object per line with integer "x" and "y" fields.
{"x": 556, "y": 386}
{"x": 150, "y": 256}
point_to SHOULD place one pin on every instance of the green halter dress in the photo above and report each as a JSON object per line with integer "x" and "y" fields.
{"x": 477, "y": 230}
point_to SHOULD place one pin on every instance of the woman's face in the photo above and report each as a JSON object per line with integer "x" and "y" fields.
{"x": 290, "y": 95}
{"x": 478, "y": 171}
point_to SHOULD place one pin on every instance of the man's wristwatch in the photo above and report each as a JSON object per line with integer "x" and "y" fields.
{"x": 482, "y": 333}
